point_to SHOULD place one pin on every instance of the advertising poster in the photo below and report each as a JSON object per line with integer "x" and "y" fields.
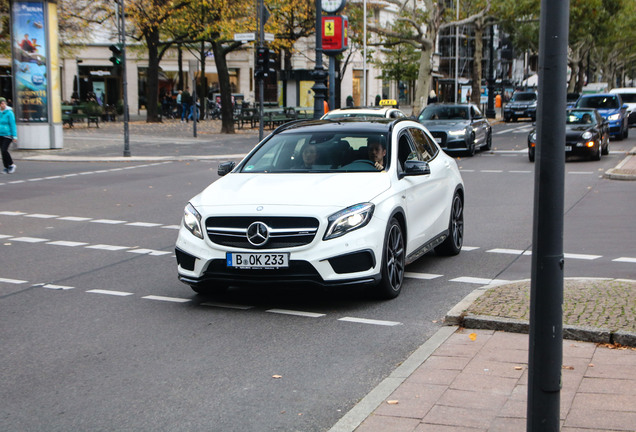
{"x": 29, "y": 56}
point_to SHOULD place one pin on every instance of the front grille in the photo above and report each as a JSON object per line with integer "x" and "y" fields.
{"x": 441, "y": 136}
{"x": 284, "y": 232}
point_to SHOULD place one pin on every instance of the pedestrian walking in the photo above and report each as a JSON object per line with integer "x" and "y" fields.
{"x": 186, "y": 101}
{"x": 8, "y": 135}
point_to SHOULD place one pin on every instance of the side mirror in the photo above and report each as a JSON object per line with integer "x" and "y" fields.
{"x": 225, "y": 168}
{"x": 416, "y": 168}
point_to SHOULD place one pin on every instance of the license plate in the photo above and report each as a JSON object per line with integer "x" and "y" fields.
{"x": 249, "y": 260}
{"x": 568, "y": 148}
{"x": 518, "y": 112}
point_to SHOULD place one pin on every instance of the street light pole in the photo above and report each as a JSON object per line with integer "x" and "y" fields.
{"x": 490, "y": 111}
{"x": 122, "y": 41}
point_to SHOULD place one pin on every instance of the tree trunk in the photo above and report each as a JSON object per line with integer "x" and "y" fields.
{"x": 227, "y": 121}
{"x": 152, "y": 89}
{"x": 475, "y": 93}
{"x": 424, "y": 80}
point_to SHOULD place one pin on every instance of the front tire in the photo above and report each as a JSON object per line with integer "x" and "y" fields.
{"x": 393, "y": 262}
{"x": 453, "y": 243}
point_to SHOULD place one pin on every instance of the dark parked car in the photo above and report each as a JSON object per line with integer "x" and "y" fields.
{"x": 522, "y": 104}
{"x": 611, "y": 108}
{"x": 586, "y": 134}
{"x": 457, "y": 127}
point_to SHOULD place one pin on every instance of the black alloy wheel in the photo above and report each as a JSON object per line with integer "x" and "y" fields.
{"x": 393, "y": 262}
{"x": 453, "y": 243}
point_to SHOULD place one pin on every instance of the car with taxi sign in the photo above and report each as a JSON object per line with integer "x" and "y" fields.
{"x": 325, "y": 203}
{"x": 387, "y": 108}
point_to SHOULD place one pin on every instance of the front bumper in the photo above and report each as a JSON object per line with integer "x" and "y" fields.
{"x": 351, "y": 259}
{"x": 450, "y": 142}
{"x": 520, "y": 111}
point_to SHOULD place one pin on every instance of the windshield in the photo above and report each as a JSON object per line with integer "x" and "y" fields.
{"x": 629, "y": 97}
{"x": 523, "y": 97}
{"x": 599, "y": 102}
{"x": 580, "y": 118}
{"x": 300, "y": 152}
{"x": 443, "y": 112}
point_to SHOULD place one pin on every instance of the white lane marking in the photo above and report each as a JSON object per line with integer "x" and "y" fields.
{"x": 227, "y": 305}
{"x": 55, "y": 287}
{"x": 625, "y": 259}
{"x": 176, "y": 227}
{"x": 4, "y": 236}
{"x": 580, "y": 172}
{"x": 491, "y": 171}
{"x": 469, "y": 248}
{"x": 110, "y": 292}
{"x": 167, "y": 299}
{"x": 107, "y": 247}
{"x": 41, "y": 216}
{"x": 581, "y": 256}
{"x": 149, "y": 252}
{"x": 75, "y": 218}
{"x": 510, "y": 251}
{"x": 425, "y": 276}
{"x": 480, "y": 281}
{"x": 12, "y": 281}
{"x": 520, "y": 171}
{"x": 143, "y": 224}
{"x": 108, "y": 221}
{"x": 296, "y": 313}
{"x": 370, "y": 321}
{"x": 67, "y": 243}
{"x": 12, "y": 213}
{"x": 29, "y": 239}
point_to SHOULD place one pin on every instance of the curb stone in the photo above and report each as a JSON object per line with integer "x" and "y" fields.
{"x": 459, "y": 316}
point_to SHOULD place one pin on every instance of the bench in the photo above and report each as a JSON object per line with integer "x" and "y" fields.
{"x": 67, "y": 115}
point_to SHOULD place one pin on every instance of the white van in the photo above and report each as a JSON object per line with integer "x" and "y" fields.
{"x": 628, "y": 94}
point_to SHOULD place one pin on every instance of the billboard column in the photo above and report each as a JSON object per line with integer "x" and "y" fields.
{"x": 36, "y": 74}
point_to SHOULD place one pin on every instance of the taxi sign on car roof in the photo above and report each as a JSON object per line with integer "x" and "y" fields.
{"x": 388, "y": 102}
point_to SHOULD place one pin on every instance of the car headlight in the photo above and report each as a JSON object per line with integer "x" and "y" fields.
{"x": 533, "y": 137}
{"x": 457, "y": 132}
{"x": 349, "y": 219}
{"x": 614, "y": 117}
{"x": 192, "y": 221}
{"x": 586, "y": 135}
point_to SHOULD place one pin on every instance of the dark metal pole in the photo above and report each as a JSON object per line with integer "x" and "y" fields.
{"x": 490, "y": 110}
{"x": 332, "y": 82}
{"x": 194, "y": 109}
{"x": 546, "y": 296}
{"x": 122, "y": 36}
{"x": 318, "y": 74}
{"x": 261, "y": 80}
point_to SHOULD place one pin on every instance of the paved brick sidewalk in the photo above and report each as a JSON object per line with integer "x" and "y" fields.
{"x": 477, "y": 381}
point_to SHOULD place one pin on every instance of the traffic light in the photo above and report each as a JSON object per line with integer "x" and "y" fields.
{"x": 117, "y": 58}
{"x": 264, "y": 64}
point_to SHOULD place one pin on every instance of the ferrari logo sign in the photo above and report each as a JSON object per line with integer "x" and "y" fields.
{"x": 330, "y": 28}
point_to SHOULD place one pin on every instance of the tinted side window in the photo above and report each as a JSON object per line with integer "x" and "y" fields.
{"x": 425, "y": 146}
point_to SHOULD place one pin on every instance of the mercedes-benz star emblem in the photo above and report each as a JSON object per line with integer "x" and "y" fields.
{"x": 258, "y": 233}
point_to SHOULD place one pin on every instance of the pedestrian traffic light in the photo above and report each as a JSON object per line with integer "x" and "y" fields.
{"x": 116, "y": 58}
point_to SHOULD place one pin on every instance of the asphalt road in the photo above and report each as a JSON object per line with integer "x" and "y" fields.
{"x": 98, "y": 334}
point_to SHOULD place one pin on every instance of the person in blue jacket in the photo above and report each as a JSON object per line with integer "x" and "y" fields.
{"x": 8, "y": 135}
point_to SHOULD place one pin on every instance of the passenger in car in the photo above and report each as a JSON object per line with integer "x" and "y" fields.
{"x": 309, "y": 154}
{"x": 377, "y": 152}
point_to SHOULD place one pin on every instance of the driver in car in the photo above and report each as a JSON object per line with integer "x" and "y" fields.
{"x": 377, "y": 152}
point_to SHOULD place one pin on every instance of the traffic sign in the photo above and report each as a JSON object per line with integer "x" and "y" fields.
{"x": 244, "y": 37}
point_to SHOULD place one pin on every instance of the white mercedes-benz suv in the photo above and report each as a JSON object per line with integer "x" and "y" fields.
{"x": 328, "y": 202}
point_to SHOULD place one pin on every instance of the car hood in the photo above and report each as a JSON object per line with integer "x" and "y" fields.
{"x": 576, "y": 130}
{"x": 307, "y": 189}
{"x": 444, "y": 125}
